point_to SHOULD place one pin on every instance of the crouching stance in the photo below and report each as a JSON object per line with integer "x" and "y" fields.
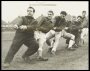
{"x": 24, "y": 35}
{"x": 58, "y": 32}
{"x": 75, "y": 29}
{"x": 56, "y": 40}
{"x": 44, "y": 26}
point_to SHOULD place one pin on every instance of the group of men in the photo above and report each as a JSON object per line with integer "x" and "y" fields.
{"x": 34, "y": 34}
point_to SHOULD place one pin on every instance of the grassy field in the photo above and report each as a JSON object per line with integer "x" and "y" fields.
{"x": 64, "y": 59}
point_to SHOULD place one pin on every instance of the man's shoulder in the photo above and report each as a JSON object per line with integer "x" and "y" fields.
{"x": 44, "y": 17}
{"x": 57, "y": 17}
{"x": 68, "y": 22}
{"x": 39, "y": 19}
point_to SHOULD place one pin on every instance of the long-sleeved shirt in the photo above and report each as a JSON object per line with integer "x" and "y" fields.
{"x": 59, "y": 23}
{"x": 84, "y": 22}
{"x": 45, "y": 24}
{"x": 28, "y": 21}
{"x": 74, "y": 26}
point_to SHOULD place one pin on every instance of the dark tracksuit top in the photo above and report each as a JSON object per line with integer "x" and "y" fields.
{"x": 25, "y": 37}
{"x": 75, "y": 29}
{"x": 45, "y": 25}
{"x": 70, "y": 26}
{"x": 85, "y": 22}
{"x": 31, "y": 24}
{"x": 59, "y": 23}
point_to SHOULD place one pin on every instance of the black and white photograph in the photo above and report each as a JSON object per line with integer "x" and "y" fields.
{"x": 44, "y": 35}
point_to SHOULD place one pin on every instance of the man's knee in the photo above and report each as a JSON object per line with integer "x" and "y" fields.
{"x": 50, "y": 34}
{"x": 48, "y": 42}
{"x": 40, "y": 49}
{"x": 67, "y": 41}
{"x": 72, "y": 37}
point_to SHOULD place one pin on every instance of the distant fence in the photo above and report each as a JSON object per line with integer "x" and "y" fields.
{"x": 7, "y": 28}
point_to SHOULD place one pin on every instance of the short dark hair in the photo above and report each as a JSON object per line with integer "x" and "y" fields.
{"x": 83, "y": 11}
{"x": 63, "y": 12}
{"x": 79, "y": 17}
{"x": 51, "y": 12}
{"x": 32, "y": 8}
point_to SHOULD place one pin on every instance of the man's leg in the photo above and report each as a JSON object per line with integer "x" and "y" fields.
{"x": 86, "y": 31}
{"x": 52, "y": 40}
{"x": 41, "y": 44}
{"x": 84, "y": 34}
{"x": 49, "y": 35}
{"x": 71, "y": 39}
{"x": 16, "y": 44}
{"x": 77, "y": 39}
{"x": 32, "y": 45}
{"x": 57, "y": 38}
{"x": 67, "y": 40}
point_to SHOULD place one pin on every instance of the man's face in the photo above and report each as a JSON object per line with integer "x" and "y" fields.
{"x": 79, "y": 19}
{"x": 30, "y": 12}
{"x": 73, "y": 18}
{"x": 62, "y": 15}
{"x": 83, "y": 14}
{"x": 50, "y": 15}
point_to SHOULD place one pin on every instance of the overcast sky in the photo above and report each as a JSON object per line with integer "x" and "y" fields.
{"x": 13, "y": 9}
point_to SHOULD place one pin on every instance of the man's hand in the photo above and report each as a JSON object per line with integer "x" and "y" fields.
{"x": 16, "y": 26}
{"x": 23, "y": 27}
{"x": 54, "y": 28}
{"x": 66, "y": 28}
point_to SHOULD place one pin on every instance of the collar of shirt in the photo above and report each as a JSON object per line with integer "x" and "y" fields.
{"x": 29, "y": 17}
{"x": 49, "y": 19}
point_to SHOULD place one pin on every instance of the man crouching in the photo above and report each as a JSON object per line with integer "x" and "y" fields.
{"x": 44, "y": 26}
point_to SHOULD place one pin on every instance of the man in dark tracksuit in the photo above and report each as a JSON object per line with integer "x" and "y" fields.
{"x": 24, "y": 35}
{"x": 85, "y": 26}
{"x": 44, "y": 26}
{"x": 75, "y": 29}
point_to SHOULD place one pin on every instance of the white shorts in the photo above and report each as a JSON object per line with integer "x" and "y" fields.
{"x": 84, "y": 33}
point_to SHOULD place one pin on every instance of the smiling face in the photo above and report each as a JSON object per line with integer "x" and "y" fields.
{"x": 50, "y": 15}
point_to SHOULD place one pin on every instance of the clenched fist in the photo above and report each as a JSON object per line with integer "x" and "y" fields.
{"x": 23, "y": 27}
{"x": 16, "y": 26}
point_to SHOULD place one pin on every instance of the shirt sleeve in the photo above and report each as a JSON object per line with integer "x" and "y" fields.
{"x": 77, "y": 27}
{"x": 33, "y": 25}
{"x": 54, "y": 20}
{"x": 18, "y": 21}
{"x": 64, "y": 24}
